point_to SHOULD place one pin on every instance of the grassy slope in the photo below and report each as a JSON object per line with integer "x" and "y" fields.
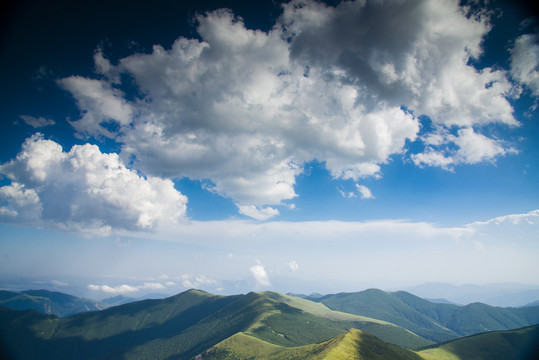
{"x": 320, "y": 309}
{"x": 519, "y": 344}
{"x": 339, "y": 321}
{"x": 436, "y": 322}
{"x": 147, "y": 326}
{"x": 353, "y": 344}
{"x": 180, "y": 327}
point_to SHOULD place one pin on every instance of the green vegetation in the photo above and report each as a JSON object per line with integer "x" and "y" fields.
{"x": 256, "y": 325}
{"x": 48, "y": 302}
{"x": 353, "y": 344}
{"x": 180, "y": 327}
{"x": 519, "y": 344}
{"x": 320, "y": 309}
{"x": 433, "y": 321}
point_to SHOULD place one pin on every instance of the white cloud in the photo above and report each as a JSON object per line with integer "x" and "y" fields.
{"x": 83, "y": 189}
{"x": 59, "y": 283}
{"x": 120, "y": 289}
{"x": 258, "y": 213}
{"x": 346, "y": 194}
{"x": 246, "y": 109}
{"x": 365, "y": 192}
{"x": 469, "y": 147}
{"x": 125, "y": 289}
{"x": 293, "y": 265}
{"x": 195, "y": 281}
{"x": 104, "y": 67}
{"x": 474, "y": 148}
{"x": 525, "y": 61}
{"x": 530, "y": 218}
{"x": 259, "y": 274}
{"x": 151, "y": 286}
{"x": 99, "y": 103}
{"x": 38, "y": 122}
{"x": 22, "y": 205}
{"x": 431, "y": 157}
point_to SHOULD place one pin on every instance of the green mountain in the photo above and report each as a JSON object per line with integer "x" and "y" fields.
{"x": 48, "y": 302}
{"x": 519, "y": 344}
{"x": 118, "y": 300}
{"x": 181, "y": 327}
{"x": 434, "y": 321}
{"x": 351, "y": 345}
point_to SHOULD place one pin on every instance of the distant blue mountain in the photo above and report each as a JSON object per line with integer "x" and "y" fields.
{"x": 48, "y": 302}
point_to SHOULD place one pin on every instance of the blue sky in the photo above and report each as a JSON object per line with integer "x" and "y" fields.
{"x": 300, "y": 146}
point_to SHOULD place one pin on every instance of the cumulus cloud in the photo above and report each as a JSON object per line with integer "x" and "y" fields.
{"x": 258, "y": 272}
{"x": 343, "y": 85}
{"x": 83, "y": 189}
{"x": 100, "y": 105}
{"x": 38, "y": 122}
{"x": 468, "y": 147}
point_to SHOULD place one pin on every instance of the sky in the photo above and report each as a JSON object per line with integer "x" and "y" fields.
{"x": 234, "y": 146}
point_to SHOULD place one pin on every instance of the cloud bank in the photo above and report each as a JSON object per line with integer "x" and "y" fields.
{"x": 342, "y": 85}
{"x": 83, "y": 190}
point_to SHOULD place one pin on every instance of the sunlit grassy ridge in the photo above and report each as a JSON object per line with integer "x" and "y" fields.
{"x": 320, "y": 309}
{"x": 519, "y": 344}
{"x": 351, "y": 345}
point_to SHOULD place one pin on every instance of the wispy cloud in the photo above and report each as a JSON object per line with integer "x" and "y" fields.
{"x": 38, "y": 122}
{"x": 195, "y": 281}
{"x": 293, "y": 265}
{"x": 525, "y": 61}
{"x": 125, "y": 289}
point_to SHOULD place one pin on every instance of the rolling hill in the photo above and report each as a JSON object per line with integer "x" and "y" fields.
{"x": 181, "y": 327}
{"x": 351, "y": 345}
{"x": 437, "y": 322}
{"x": 48, "y": 302}
{"x": 519, "y": 344}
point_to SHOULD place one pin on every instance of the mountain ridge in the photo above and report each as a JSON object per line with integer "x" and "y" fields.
{"x": 434, "y": 321}
{"x": 181, "y": 326}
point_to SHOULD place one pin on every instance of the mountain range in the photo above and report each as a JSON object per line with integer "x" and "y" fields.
{"x": 48, "y": 302}
{"x": 500, "y": 294}
{"x": 433, "y": 321}
{"x": 371, "y": 324}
